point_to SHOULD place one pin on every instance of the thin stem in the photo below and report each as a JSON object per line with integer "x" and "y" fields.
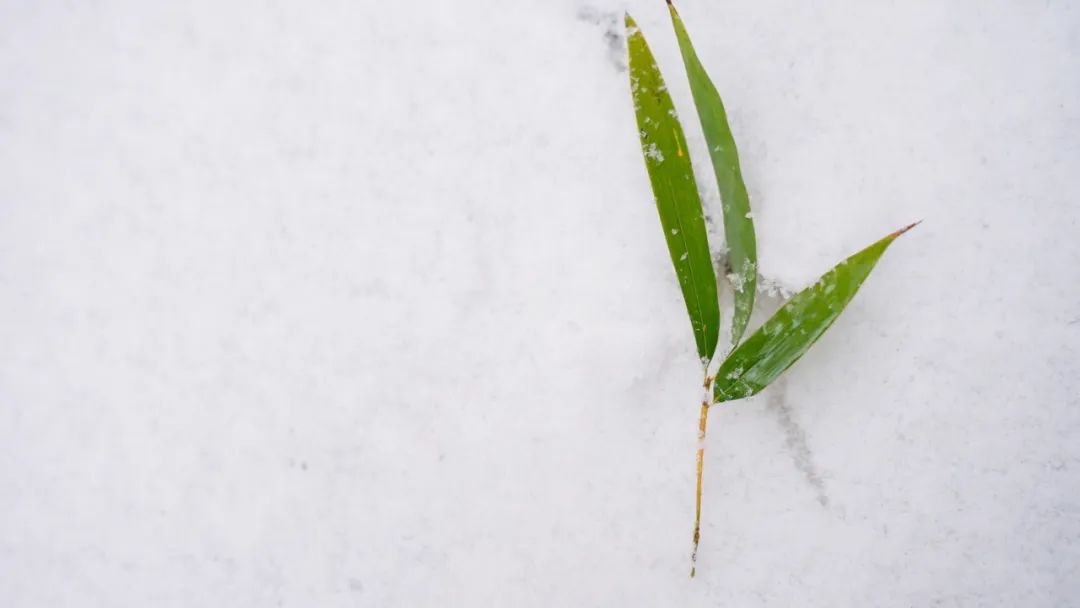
{"x": 700, "y": 465}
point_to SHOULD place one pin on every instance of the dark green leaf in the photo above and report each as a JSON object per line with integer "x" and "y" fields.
{"x": 738, "y": 225}
{"x": 796, "y": 326}
{"x": 676, "y": 193}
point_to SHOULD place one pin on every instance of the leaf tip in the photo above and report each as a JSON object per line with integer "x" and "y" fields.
{"x": 905, "y": 229}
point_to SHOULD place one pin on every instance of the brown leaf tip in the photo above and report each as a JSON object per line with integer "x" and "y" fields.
{"x": 906, "y": 228}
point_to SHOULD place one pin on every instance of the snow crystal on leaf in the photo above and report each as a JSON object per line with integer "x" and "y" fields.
{"x": 737, "y": 281}
{"x": 654, "y": 153}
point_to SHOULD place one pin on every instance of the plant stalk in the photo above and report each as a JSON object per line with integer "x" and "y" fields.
{"x": 700, "y": 465}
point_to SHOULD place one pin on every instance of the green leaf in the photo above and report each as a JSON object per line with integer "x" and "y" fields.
{"x": 738, "y": 225}
{"x": 796, "y": 326}
{"x": 675, "y": 190}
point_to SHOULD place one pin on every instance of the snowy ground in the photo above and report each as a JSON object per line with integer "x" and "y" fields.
{"x": 366, "y": 304}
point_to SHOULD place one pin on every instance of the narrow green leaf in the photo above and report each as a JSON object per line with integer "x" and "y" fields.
{"x": 675, "y": 190}
{"x": 796, "y": 326}
{"x": 738, "y": 225}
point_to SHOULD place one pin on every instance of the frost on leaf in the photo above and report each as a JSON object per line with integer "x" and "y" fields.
{"x": 737, "y": 282}
{"x": 653, "y": 152}
{"x": 745, "y": 274}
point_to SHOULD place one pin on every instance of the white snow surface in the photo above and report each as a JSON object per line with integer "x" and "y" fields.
{"x": 368, "y": 304}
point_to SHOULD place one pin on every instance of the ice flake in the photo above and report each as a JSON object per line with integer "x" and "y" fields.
{"x": 654, "y": 153}
{"x": 737, "y": 281}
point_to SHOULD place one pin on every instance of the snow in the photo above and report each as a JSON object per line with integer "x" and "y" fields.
{"x": 654, "y": 153}
{"x": 367, "y": 304}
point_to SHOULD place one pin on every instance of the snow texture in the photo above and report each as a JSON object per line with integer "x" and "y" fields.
{"x": 367, "y": 304}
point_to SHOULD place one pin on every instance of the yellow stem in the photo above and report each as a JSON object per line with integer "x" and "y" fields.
{"x": 700, "y": 466}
